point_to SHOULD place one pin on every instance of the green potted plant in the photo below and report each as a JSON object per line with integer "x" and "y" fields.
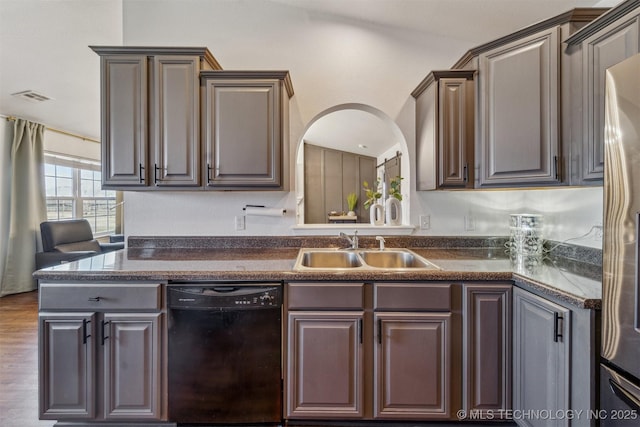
{"x": 394, "y": 188}
{"x": 352, "y": 201}
{"x": 372, "y": 193}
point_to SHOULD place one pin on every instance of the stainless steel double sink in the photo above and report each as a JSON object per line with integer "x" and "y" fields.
{"x": 360, "y": 259}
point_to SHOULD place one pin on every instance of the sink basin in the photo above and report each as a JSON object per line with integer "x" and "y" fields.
{"x": 329, "y": 259}
{"x": 367, "y": 259}
{"x": 395, "y": 259}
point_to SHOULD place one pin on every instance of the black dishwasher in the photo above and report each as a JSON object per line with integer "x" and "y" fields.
{"x": 224, "y": 353}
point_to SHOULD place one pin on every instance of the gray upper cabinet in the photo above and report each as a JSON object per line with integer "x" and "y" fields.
{"x": 608, "y": 40}
{"x": 524, "y": 103}
{"x": 175, "y": 130}
{"x": 151, "y": 115}
{"x": 245, "y": 129}
{"x": 518, "y": 117}
{"x": 124, "y": 80}
{"x": 445, "y": 130}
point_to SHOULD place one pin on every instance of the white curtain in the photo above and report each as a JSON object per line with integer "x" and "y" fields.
{"x": 27, "y": 208}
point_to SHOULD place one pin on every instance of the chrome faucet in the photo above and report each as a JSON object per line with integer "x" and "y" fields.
{"x": 353, "y": 241}
{"x": 381, "y": 240}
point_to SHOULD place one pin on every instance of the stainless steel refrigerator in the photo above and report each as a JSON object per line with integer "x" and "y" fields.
{"x": 620, "y": 349}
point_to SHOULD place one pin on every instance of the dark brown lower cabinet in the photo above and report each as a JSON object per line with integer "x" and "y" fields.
{"x": 325, "y": 365}
{"x": 100, "y": 356}
{"x": 389, "y": 351}
{"x": 412, "y": 366}
{"x": 487, "y": 349}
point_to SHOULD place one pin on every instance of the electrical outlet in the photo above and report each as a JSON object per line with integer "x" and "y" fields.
{"x": 598, "y": 232}
{"x": 425, "y": 222}
{"x": 469, "y": 223}
{"x": 239, "y": 222}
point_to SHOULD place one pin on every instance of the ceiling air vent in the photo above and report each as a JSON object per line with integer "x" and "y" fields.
{"x": 31, "y": 96}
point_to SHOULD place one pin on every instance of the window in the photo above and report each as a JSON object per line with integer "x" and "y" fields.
{"x": 73, "y": 191}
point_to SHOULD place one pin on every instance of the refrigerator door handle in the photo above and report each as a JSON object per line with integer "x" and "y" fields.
{"x": 625, "y": 395}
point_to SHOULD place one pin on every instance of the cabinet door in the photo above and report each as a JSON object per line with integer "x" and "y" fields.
{"x": 243, "y": 133}
{"x": 412, "y": 366}
{"x": 175, "y": 122}
{"x": 324, "y": 365}
{"x": 540, "y": 358}
{"x": 427, "y": 138}
{"x": 124, "y": 121}
{"x": 131, "y": 352}
{"x": 455, "y": 132}
{"x": 519, "y": 112}
{"x": 602, "y": 50}
{"x": 66, "y": 370}
{"x": 487, "y": 348}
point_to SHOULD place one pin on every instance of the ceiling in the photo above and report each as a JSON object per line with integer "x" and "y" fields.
{"x": 49, "y": 53}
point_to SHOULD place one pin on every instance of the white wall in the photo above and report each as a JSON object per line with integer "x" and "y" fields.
{"x": 61, "y": 143}
{"x": 568, "y": 212}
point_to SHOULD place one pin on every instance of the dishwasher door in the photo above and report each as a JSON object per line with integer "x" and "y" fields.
{"x": 224, "y": 354}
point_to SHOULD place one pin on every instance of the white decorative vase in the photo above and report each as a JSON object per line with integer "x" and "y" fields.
{"x": 376, "y": 214}
{"x": 393, "y": 211}
{"x": 351, "y": 213}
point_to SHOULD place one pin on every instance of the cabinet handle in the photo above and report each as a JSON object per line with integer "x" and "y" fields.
{"x": 85, "y": 336}
{"x": 140, "y": 169}
{"x": 94, "y": 299}
{"x": 155, "y": 173}
{"x": 555, "y": 167}
{"x": 465, "y": 172}
{"x": 379, "y": 331}
{"x": 360, "y": 333}
{"x": 104, "y": 337}
{"x": 557, "y": 331}
{"x": 208, "y": 173}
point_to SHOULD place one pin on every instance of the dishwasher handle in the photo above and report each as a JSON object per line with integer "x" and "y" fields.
{"x": 224, "y": 289}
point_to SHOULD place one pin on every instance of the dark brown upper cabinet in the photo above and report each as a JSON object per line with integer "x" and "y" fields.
{"x": 445, "y": 130}
{"x": 612, "y": 38}
{"x": 150, "y": 102}
{"x": 245, "y": 129}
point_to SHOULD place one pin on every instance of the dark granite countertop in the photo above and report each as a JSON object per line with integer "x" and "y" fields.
{"x": 273, "y": 259}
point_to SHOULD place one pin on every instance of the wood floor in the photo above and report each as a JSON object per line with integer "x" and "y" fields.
{"x": 19, "y": 361}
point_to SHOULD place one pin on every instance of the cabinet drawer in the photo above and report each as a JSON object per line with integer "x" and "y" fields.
{"x": 327, "y": 295}
{"x": 91, "y": 296}
{"x": 412, "y": 296}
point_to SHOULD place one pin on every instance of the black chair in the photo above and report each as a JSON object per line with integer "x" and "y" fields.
{"x": 69, "y": 240}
